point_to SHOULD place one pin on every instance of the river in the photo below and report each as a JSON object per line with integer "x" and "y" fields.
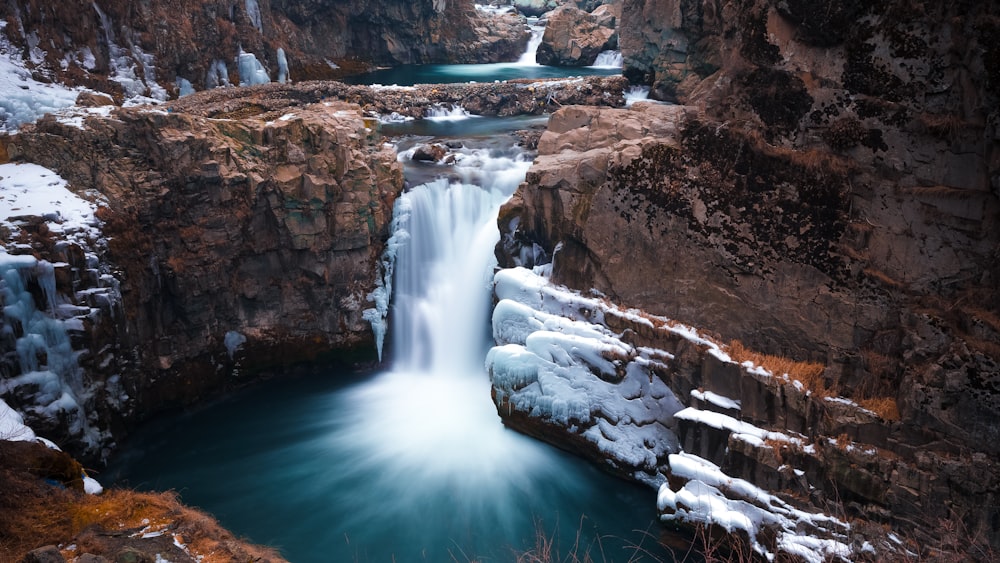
{"x": 411, "y": 463}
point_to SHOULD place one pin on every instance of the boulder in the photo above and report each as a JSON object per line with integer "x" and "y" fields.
{"x": 575, "y": 38}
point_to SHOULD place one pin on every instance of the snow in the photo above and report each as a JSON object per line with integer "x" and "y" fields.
{"x": 724, "y": 422}
{"x": 50, "y": 379}
{"x": 22, "y": 98}
{"x": 91, "y": 486}
{"x": 711, "y": 497}
{"x": 715, "y": 399}
{"x": 12, "y": 426}
{"x": 553, "y": 361}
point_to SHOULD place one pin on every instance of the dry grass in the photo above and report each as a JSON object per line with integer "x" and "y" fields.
{"x": 122, "y": 509}
{"x": 885, "y": 407}
{"x": 34, "y": 514}
{"x": 809, "y": 374}
{"x": 30, "y": 515}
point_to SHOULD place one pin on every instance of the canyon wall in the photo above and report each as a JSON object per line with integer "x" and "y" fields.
{"x": 827, "y": 192}
{"x": 231, "y": 242}
{"x": 163, "y": 48}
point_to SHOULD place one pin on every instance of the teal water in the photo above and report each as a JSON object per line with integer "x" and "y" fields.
{"x": 408, "y": 75}
{"x": 409, "y": 464}
{"x": 298, "y": 465}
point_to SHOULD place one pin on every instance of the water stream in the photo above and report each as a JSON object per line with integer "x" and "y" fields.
{"x": 413, "y": 463}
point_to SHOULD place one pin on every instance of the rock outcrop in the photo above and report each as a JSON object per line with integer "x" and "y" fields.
{"x": 248, "y": 240}
{"x": 827, "y": 193}
{"x": 574, "y": 37}
{"x": 162, "y": 49}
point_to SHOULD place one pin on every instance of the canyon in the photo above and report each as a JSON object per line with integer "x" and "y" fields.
{"x": 821, "y": 189}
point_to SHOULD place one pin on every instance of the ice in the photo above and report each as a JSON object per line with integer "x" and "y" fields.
{"x": 184, "y": 87}
{"x": 251, "y": 71}
{"x": 711, "y": 497}
{"x": 22, "y": 98}
{"x": 253, "y": 12}
{"x": 554, "y": 361}
{"x": 282, "y": 66}
{"x": 233, "y": 342}
{"x": 123, "y": 62}
{"x": 217, "y": 75}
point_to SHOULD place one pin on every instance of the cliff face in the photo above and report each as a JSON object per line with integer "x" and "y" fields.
{"x": 250, "y": 240}
{"x": 151, "y": 48}
{"x": 827, "y": 192}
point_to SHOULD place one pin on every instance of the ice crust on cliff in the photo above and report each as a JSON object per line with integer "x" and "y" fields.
{"x": 251, "y": 71}
{"x": 50, "y": 379}
{"x": 553, "y": 360}
{"x": 708, "y": 498}
{"x": 22, "y": 98}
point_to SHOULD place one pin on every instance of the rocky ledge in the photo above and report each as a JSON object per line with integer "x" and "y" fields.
{"x": 230, "y": 244}
{"x": 882, "y": 403}
{"x": 224, "y": 233}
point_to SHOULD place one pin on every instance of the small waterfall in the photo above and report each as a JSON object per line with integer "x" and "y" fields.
{"x": 608, "y": 59}
{"x": 636, "y": 94}
{"x": 528, "y": 58}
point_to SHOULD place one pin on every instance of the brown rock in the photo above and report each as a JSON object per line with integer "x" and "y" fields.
{"x": 575, "y": 38}
{"x": 47, "y": 554}
{"x": 93, "y": 100}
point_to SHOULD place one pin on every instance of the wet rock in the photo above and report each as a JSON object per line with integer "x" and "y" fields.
{"x": 430, "y": 153}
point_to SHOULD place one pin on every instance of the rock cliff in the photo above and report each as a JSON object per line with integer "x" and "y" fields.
{"x": 828, "y": 192}
{"x": 163, "y": 48}
{"x": 249, "y": 239}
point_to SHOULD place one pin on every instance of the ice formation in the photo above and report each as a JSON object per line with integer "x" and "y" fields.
{"x": 123, "y": 63}
{"x": 253, "y": 12}
{"x": 22, "y": 98}
{"x": 555, "y": 360}
{"x": 50, "y": 380}
{"x": 282, "y": 66}
{"x": 217, "y": 75}
{"x": 251, "y": 71}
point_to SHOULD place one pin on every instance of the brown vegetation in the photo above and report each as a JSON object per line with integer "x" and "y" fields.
{"x": 34, "y": 513}
{"x": 809, "y": 374}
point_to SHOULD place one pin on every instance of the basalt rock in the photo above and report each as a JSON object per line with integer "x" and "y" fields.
{"x": 151, "y": 48}
{"x": 828, "y": 192}
{"x": 237, "y": 242}
{"x": 575, "y": 38}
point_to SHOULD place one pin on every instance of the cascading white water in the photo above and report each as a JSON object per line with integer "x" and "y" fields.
{"x": 528, "y": 58}
{"x": 609, "y": 59}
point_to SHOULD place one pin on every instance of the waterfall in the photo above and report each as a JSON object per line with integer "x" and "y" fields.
{"x": 528, "y": 58}
{"x": 609, "y": 59}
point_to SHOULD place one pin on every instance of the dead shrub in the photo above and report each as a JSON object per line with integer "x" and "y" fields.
{"x": 809, "y": 374}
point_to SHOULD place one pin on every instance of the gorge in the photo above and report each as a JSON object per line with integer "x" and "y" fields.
{"x": 774, "y": 299}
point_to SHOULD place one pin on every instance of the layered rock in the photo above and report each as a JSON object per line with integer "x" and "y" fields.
{"x": 165, "y": 48}
{"x": 827, "y": 193}
{"x": 574, "y": 37}
{"x": 249, "y": 240}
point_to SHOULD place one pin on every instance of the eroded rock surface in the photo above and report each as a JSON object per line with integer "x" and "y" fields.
{"x": 153, "y": 48}
{"x": 574, "y": 37}
{"x": 233, "y": 242}
{"x": 828, "y": 192}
